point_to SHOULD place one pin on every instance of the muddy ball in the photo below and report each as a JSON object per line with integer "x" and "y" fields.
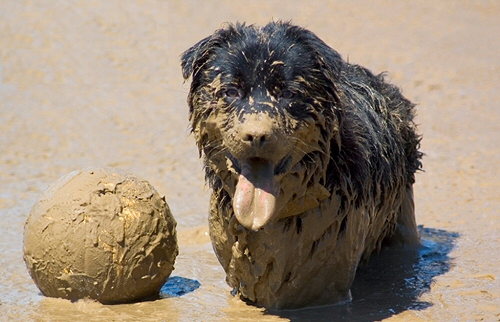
{"x": 100, "y": 234}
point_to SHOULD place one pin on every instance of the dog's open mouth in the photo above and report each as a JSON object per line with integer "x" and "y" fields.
{"x": 254, "y": 200}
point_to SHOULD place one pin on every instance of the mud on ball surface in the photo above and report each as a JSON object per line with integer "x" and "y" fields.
{"x": 101, "y": 234}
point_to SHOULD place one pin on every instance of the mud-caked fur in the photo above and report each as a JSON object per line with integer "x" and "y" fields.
{"x": 311, "y": 161}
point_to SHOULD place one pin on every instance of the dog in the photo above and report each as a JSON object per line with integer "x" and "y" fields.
{"x": 311, "y": 161}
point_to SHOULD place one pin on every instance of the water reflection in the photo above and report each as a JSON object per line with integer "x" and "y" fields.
{"x": 178, "y": 286}
{"x": 390, "y": 283}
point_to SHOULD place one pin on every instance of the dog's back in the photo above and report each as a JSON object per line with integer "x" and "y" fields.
{"x": 311, "y": 161}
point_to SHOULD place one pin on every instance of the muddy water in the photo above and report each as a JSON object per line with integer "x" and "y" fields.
{"x": 98, "y": 84}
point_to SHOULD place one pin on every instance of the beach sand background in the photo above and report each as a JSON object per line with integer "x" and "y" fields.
{"x": 98, "y": 83}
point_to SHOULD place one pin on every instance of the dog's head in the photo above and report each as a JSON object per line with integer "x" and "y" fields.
{"x": 264, "y": 111}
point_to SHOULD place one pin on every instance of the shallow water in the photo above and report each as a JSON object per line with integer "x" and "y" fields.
{"x": 391, "y": 282}
{"x": 380, "y": 291}
{"x": 98, "y": 84}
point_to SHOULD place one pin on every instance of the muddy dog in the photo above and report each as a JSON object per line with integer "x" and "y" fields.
{"x": 311, "y": 161}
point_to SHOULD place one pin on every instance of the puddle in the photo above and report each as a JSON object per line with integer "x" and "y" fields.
{"x": 390, "y": 283}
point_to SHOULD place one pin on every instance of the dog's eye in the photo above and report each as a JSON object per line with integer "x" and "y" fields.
{"x": 287, "y": 94}
{"x": 232, "y": 92}
{"x": 228, "y": 92}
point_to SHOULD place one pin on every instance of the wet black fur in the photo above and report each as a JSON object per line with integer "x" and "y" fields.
{"x": 370, "y": 143}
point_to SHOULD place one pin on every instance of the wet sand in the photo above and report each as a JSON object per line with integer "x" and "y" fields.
{"x": 99, "y": 84}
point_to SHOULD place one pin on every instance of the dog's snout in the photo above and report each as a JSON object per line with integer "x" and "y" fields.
{"x": 256, "y": 130}
{"x": 257, "y": 135}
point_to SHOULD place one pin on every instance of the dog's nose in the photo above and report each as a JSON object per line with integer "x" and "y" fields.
{"x": 256, "y": 130}
{"x": 256, "y": 139}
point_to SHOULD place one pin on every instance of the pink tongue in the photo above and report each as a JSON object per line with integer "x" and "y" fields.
{"x": 254, "y": 200}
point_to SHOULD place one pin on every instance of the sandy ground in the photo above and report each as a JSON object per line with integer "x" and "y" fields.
{"x": 98, "y": 83}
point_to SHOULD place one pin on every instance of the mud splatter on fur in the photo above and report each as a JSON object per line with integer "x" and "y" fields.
{"x": 311, "y": 161}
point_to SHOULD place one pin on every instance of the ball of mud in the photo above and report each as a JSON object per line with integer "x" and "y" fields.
{"x": 100, "y": 234}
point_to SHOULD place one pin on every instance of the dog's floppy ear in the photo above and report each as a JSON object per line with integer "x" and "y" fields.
{"x": 329, "y": 62}
{"x": 191, "y": 56}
